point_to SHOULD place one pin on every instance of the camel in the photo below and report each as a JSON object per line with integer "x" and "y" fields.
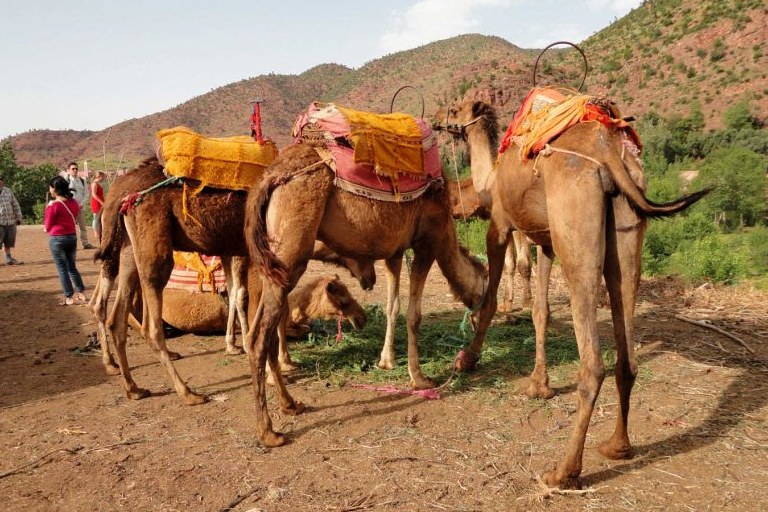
{"x": 466, "y": 203}
{"x": 155, "y": 227}
{"x": 295, "y": 203}
{"x": 582, "y": 200}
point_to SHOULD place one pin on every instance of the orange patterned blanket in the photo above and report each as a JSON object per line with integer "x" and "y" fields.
{"x": 547, "y": 112}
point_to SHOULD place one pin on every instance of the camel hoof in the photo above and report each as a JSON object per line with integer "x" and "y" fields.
{"x": 551, "y": 479}
{"x": 539, "y": 391}
{"x": 422, "y": 382}
{"x": 386, "y": 365}
{"x": 466, "y": 361}
{"x": 234, "y": 350}
{"x": 288, "y": 367}
{"x": 615, "y": 452}
{"x": 173, "y": 356}
{"x": 137, "y": 393}
{"x": 294, "y": 409}
{"x": 112, "y": 369}
{"x": 271, "y": 439}
{"x": 192, "y": 398}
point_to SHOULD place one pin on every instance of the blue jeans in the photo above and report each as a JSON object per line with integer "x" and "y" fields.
{"x": 63, "y": 249}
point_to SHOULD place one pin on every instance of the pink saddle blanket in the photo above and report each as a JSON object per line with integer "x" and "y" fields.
{"x": 362, "y": 179}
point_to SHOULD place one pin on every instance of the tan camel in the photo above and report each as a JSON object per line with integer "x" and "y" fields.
{"x": 583, "y": 199}
{"x": 211, "y": 224}
{"x": 297, "y": 203}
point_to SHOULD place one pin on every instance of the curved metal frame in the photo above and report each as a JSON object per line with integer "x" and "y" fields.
{"x": 421, "y": 96}
{"x": 583, "y": 56}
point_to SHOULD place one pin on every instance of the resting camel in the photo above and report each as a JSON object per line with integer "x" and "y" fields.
{"x": 155, "y": 227}
{"x": 583, "y": 200}
{"x": 296, "y": 203}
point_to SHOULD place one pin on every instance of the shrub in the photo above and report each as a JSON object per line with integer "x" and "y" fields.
{"x": 709, "y": 259}
{"x": 664, "y": 237}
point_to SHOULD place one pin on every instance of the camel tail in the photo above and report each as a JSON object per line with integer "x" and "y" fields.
{"x": 256, "y": 232}
{"x": 112, "y": 238}
{"x": 622, "y": 176}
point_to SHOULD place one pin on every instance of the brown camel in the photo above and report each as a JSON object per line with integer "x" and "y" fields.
{"x": 211, "y": 224}
{"x": 583, "y": 199}
{"x": 466, "y": 203}
{"x": 295, "y": 204}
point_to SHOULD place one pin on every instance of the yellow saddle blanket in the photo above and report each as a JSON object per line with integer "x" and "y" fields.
{"x": 231, "y": 163}
{"x": 391, "y": 143}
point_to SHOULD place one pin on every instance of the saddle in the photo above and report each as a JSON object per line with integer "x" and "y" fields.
{"x": 547, "y": 112}
{"x": 197, "y": 273}
{"x": 389, "y": 157}
{"x": 230, "y": 163}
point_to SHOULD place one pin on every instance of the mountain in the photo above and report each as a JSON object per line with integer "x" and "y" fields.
{"x": 666, "y": 56}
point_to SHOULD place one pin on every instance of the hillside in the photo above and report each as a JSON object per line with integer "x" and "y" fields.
{"x": 667, "y": 56}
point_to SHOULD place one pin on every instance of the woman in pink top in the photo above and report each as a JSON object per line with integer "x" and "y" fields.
{"x": 60, "y": 215}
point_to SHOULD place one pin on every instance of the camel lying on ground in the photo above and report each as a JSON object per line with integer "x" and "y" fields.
{"x": 582, "y": 199}
{"x": 296, "y": 203}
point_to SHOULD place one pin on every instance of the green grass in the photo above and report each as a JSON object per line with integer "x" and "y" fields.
{"x": 508, "y": 352}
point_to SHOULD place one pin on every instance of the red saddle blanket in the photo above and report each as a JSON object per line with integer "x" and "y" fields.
{"x": 547, "y": 112}
{"x": 393, "y": 158}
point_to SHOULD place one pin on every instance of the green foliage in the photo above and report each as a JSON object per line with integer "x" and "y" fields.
{"x": 471, "y": 234}
{"x": 710, "y": 259}
{"x": 508, "y": 351}
{"x": 718, "y": 50}
{"x": 738, "y": 177}
{"x": 29, "y": 185}
{"x": 739, "y": 116}
{"x": 664, "y": 237}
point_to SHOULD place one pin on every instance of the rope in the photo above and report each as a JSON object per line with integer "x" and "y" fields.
{"x": 131, "y": 201}
{"x": 461, "y": 199}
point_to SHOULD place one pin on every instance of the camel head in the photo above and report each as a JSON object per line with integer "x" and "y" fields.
{"x": 458, "y": 118}
{"x": 332, "y": 299}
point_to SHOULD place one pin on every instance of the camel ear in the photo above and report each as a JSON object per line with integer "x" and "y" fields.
{"x": 477, "y": 108}
{"x": 332, "y": 287}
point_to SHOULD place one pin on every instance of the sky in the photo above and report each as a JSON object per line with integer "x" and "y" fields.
{"x": 90, "y": 64}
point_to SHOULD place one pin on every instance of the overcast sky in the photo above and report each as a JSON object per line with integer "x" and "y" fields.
{"x": 82, "y": 64}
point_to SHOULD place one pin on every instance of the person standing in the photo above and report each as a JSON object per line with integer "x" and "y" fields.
{"x": 59, "y": 222}
{"x": 81, "y": 194}
{"x": 10, "y": 217}
{"x": 97, "y": 202}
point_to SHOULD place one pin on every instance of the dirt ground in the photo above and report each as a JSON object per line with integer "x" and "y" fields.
{"x": 71, "y": 440}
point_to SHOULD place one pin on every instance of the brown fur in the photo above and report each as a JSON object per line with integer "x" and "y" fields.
{"x": 297, "y": 203}
{"x": 156, "y": 227}
{"x": 593, "y": 217}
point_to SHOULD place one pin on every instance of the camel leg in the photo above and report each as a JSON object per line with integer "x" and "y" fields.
{"x": 262, "y": 347}
{"x": 233, "y": 308}
{"x": 98, "y": 305}
{"x": 622, "y": 277}
{"x": 419, "y": 270}
{"x": 510, "y": 259}
{"x": 154, "y": 270}
{"x": 127, "y": 281}
{"x": 283, "y": 356}
{"x": 582, "y": 254}
{"x": 496, "y": 245}
{"x": 523, "y": 264}
{"x": 393, "y": 268}
{"x": 538, "y": 386}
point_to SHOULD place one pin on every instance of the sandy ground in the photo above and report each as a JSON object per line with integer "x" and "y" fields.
{"x": 71, "y": 440}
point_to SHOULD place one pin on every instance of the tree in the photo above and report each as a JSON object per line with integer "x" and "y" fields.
{"x": 738, "y": 177}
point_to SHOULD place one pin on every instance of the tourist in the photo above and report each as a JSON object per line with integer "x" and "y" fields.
{"x": 60, "y": 220}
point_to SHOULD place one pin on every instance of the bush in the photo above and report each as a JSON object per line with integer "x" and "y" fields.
{"x": 664, "y": 237}
{"x": 709, "y": 259}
